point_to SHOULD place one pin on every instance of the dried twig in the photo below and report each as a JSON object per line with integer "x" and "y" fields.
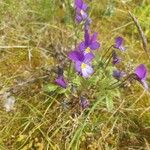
{"x": 142, "y": 35}
{"x": 18, "y": 87}
{"x": 15, "y": 88}
{"x": 14, "y": 46}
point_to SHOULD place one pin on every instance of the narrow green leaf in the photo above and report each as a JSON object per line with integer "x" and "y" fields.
{"x": 109, "y": 103}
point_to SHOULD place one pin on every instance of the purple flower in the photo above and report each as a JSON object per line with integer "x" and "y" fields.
{"x": 119, "y": 43}
{"x": 89, "y": 43}
{"x": 60, "y": 79}
{"x": 118, "y": 74}
{"x": 81, "y": 9}
{"x": 141, "y": 74}
{"x": 61, "y": 82}
{"x": 85, "y": 69}
{"x": 76, "y": 56}
{"x": 115, "y": 58}
{"x": 82, "y": 62}
{"x": 84, "y": 102}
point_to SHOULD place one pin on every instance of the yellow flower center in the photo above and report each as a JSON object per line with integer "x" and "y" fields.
{"x": 83, "y": 66}
{"x": 87, "y": 50}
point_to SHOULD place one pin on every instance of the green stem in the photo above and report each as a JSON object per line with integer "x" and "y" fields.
{"x": 109, "y": 59}
{"x": 106, "y": 52}
{"x": 118, "y": 85}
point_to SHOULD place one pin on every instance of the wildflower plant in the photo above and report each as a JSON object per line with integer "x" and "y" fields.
{"x": 95, "y": 87}
{"x": 93, "y": 67}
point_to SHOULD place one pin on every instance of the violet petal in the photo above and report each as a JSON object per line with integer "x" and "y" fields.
{"x": 78, "y": 18}
{"x": 94, "y": 37}
{"x": 119, "y": 43}
{"x": 76, "y": 56}
{"x": 84, "y": 6}
{"x": 78, "y": 3}
{"x": 141, "y": 71}
{"x": 61, "y": 82}
{"x": 88, "y": 57}
{"x": 78, "y": 66}
{"x": 87, "y": 71}
{"x": 82, "y": 46}
{"x": 95, "y": 45}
